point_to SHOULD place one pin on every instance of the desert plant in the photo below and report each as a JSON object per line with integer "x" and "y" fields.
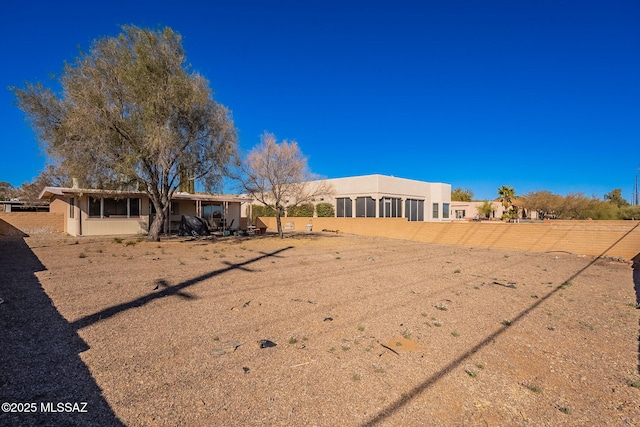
{"x": 534, "y": 388}
{"x": 442, "y": 306}
{"x": 565, "y": 285}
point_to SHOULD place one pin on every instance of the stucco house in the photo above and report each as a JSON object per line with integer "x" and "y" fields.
{"x": 382, "y": 196}
{"x": 92, "y": 212}
{"x": 466, "y": 211}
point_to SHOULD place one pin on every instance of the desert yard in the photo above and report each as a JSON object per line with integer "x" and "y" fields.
{"x": 315, "y": 329}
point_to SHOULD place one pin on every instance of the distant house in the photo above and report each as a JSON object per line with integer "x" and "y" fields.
{"x": 469, "y": 210}
{"x": 16, "y": 205}
{"x": 92, "y": 212}
{"x": 382, "y": 196}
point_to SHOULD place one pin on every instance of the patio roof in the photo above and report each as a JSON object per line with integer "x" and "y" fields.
{"x": 49, "y": 192}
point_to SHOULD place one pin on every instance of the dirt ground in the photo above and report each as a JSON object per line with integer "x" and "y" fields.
{"x": 314, "y": 329}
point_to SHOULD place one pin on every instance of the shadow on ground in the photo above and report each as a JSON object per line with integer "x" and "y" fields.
{"x": 40, "y": 365}
{"x": 636, "y": 286}
{"x": 163, "y": 289}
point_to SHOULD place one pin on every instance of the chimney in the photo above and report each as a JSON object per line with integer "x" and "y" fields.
{"x": 75, "y": 183}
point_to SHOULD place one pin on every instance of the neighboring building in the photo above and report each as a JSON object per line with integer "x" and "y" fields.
{"x": 466, "y": 211}
{"x": 90, "y": 212}
{"x": 15, "y": 205}
{"x": 381, "y": 196}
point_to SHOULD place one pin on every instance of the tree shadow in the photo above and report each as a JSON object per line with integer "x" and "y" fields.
{"x": 432, "y": 380}
{"x": 40, "y": 366}
{"x": 163, "y": 290}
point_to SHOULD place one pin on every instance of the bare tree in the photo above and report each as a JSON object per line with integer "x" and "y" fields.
{"x": 7, "y": 191}
{"x": 277, "y": 176}
{"x": 50, "y": 176}
{"x": 132, "y": 113}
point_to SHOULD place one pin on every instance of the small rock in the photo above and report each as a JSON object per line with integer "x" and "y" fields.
{"x": 266, "y": 344}
{"x": 245, "y": 369}
{"x": 328, "y": 319}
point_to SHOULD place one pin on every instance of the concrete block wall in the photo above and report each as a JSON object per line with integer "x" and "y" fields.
{"x": 612, "y": 238}
{"x": 12, "y": 223}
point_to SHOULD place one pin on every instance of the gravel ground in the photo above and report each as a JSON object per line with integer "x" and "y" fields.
{"x": 314, "y": 329}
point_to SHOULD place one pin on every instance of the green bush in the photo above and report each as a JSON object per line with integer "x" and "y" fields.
{"x": 261, "y": 210}
{"x": 304, "y": 210}
{"x": 325, "y": 210}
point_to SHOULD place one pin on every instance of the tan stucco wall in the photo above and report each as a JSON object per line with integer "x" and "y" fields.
{"x": 32, "y": 222}
{"x": 379, "y": 186}
{"x": 617, "y": 238}
{"x": 83, "y": 225}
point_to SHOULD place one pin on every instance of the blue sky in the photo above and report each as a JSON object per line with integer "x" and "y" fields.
{"x": 538, "y": 95}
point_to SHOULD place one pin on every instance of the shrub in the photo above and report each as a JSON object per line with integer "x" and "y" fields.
{"x": 325, "y": 210}
{"x": 261, "y": 210}
{"x": 304, "y": 210}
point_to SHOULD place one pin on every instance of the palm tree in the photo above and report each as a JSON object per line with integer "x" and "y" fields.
{"x": 506, "y": 194}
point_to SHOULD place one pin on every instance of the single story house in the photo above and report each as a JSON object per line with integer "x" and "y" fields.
{"x": 466, "y": 211}
{"x": 92, "y": 212}
{"x": 382, "y": 196}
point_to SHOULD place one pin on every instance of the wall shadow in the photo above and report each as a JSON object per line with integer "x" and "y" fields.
{"x": 39, "y": 357}
{"x": 636, "y": 287}
{"x": 163, "y": 290}
{"x": 636, "y": 278}
{"x": 432, "y": 380}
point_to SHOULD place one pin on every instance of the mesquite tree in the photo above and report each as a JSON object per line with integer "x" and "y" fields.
{"x": 132, "y": 113}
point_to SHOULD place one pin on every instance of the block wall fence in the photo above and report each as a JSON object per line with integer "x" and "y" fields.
{"x": 595, "y": 238}
{"x": 12, "y": 223}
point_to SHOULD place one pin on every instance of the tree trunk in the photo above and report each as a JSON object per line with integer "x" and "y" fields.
{"x": 279, "y": 222}
{"x": 156, "y": 226}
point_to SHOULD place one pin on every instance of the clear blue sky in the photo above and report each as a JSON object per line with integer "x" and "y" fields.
{"x": 532, "y": 94}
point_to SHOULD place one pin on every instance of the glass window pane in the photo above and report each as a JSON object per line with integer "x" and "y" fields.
{"x": 360, "y": 207}
{"x": 445, "y": 210}
{"x": 134, "y": 207}
{"x": 114, "y": 207}
{"x": 94, "y": 207}
{"x": 435, "y": 210}
{"x": 340, "y": 208}
{"x": 371, "y": 207}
